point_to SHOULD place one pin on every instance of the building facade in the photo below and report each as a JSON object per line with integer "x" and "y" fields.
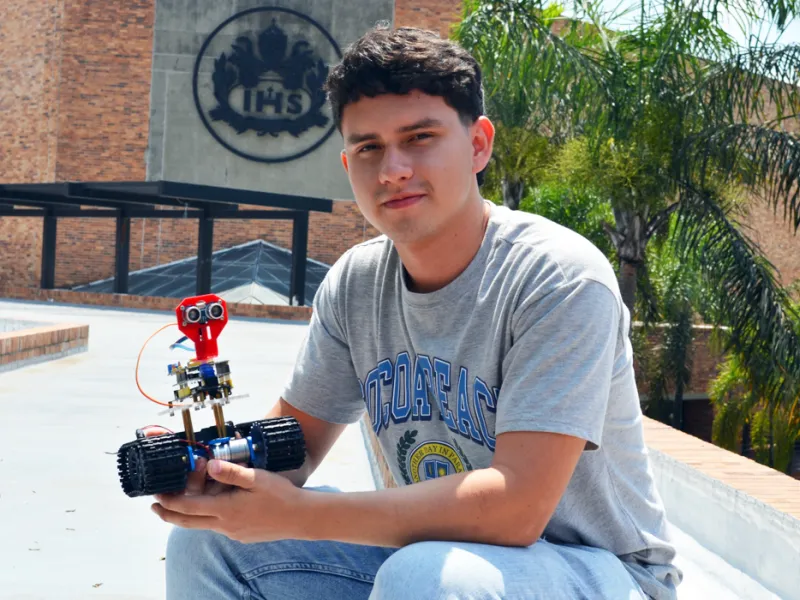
{"x": 99, "y": 91}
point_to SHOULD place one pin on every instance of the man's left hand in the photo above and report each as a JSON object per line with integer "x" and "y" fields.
{"x": 260, "y": 507}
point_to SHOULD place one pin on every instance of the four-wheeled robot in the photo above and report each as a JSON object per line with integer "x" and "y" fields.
{"x": 156, "y": 463}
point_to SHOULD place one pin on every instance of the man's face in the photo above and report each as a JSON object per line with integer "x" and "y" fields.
{"x": 411, "y": 162}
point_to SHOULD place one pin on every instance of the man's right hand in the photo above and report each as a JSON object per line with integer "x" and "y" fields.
{"x": 198, "y": 482}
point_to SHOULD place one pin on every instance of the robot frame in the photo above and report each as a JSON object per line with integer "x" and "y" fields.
{"x": 160, "y": 463}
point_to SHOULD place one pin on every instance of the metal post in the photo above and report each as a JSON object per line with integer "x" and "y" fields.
{"x": 205, "y": 242}
{"x": 50, "y": 227}
{"x": 794, "y": 464}
{"x": 297, "y": 286}
{"x": 122, "y": 253}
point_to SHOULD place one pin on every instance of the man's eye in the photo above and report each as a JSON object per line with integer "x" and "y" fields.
{"x": 421, "y": 136}
{"x": 367, "y": 148}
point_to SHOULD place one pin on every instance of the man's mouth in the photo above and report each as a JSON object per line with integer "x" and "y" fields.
{"x": 403, "y": 200}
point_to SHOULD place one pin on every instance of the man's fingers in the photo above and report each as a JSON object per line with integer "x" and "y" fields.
{"x": 232, "y": 474}
{"x": 196, "y": 481}
{"x": 183, "y": 520}
{"x": 201, "y": 506}
{"x": 215, "y": 488}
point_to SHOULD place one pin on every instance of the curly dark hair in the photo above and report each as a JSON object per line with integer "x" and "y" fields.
{"x": 386, "y": 61}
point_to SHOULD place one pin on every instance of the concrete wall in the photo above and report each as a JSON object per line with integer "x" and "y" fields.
{"x": 188, "y": 144}
{"x": 752, "y": 536}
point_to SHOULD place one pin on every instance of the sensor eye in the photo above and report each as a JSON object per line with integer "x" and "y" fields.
{"x": 215, "y": 310}
{"x": 192, "y": 314}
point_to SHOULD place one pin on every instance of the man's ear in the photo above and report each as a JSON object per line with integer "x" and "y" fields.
{"x": 344, "y": 162}
{"x": 482, "y": 143}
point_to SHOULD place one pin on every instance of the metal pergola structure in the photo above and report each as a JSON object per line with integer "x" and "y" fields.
{"x": 126, "y": 200}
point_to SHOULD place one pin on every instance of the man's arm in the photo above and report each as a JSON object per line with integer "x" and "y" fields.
{"x": 319, "y": 437}
{"x": 508, "y": 503}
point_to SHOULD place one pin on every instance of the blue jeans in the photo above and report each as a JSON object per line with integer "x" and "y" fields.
{"x": 203, "y": 565}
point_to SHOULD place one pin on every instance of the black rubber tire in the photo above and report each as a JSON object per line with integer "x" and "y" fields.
{"x": 278, "y": 443}
{"x": 154, "y": 465}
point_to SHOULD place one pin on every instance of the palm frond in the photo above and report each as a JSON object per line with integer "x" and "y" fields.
{"x": 530, "y": 71}
{"x": 766, "y": 160}
{"x": 779, "y": 11}
{"x": 760, "y": 84}
{"x": 760, "y": 320}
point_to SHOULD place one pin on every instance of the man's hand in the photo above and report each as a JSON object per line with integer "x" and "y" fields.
{"x": 198, "y": 482}
{"x": 256, "y": 506}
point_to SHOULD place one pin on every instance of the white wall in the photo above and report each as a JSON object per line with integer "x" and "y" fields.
{"x": 750, "y": 535}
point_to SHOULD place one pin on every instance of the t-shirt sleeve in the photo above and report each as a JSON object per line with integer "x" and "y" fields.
{"x": 557, "y": 374}
{"x": 324, "y": 382}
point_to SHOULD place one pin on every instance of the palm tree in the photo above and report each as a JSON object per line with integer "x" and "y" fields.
{"x": 743, "y": 403}
{"x": 669, "y": 124}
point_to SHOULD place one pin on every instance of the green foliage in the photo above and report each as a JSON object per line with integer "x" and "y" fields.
{"x": 671, "y": 125}
{"x": 745, "y": 392}
{"x": 519, "y": 154}
{"x": 579, "y": 210}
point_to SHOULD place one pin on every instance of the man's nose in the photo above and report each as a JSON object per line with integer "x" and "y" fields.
{"x": 395, "y": 166}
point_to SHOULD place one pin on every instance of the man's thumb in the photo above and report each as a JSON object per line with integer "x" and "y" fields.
{"x": 232, "y": 474}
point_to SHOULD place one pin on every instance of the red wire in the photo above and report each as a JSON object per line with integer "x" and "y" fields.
{"x": 159, "y": 426}
{"x": 207, "y": 448}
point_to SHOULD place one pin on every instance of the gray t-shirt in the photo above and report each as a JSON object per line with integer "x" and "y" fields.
{"x": 531, "y": 336}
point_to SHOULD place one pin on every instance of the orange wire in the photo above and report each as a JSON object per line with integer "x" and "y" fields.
{"x": 140, "y": 358}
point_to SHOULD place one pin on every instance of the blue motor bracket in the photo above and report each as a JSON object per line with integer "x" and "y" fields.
{"x": 203, "y": 453}
{"x": 190, "y": 452}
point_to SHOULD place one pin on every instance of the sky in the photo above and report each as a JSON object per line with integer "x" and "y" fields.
{"x": 629, "y": 9}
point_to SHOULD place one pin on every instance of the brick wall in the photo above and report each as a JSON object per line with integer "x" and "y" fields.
{"x": 37, "y": 344}
{"x": 776, "y": 238}
{"x": 30, "y": 36}
{"x": 77, "y": 109}
{"x": 235, "y": 309}
{"x": 438, "y": 15}
{"x": 104, "y": 119}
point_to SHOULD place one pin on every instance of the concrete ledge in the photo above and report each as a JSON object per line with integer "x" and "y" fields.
{"x": 289, "y": 313}
{"x": 743, "y": 511}
{"x": 38, "y": 344}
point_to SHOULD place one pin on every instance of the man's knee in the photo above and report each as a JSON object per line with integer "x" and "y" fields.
{"x": 434, "y": 570}
{"x": 190, "y": 547}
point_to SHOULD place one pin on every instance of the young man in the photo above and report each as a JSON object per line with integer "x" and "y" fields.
{"x": 490, "y": 349}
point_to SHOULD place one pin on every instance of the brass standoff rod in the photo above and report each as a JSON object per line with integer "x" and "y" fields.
{"x": 220, "y": 420}
{"x": 187, "y": 425}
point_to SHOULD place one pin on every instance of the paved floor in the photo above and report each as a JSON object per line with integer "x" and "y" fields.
{"x": 67, "y": 530}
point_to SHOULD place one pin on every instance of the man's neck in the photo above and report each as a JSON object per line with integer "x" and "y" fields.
{"x": 433, "y": 263}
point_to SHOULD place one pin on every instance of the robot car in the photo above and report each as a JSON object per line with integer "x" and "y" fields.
{"x": 158, "y": 462}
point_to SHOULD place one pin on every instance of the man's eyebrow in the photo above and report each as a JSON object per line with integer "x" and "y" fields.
{"x": 357, "y": 138}
{"x": 422, "y": 124}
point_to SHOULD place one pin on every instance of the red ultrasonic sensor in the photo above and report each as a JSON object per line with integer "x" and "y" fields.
{"x": 202, "y": 319}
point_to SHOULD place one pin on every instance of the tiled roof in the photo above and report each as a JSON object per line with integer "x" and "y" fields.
{"x": 257, "y": 262}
